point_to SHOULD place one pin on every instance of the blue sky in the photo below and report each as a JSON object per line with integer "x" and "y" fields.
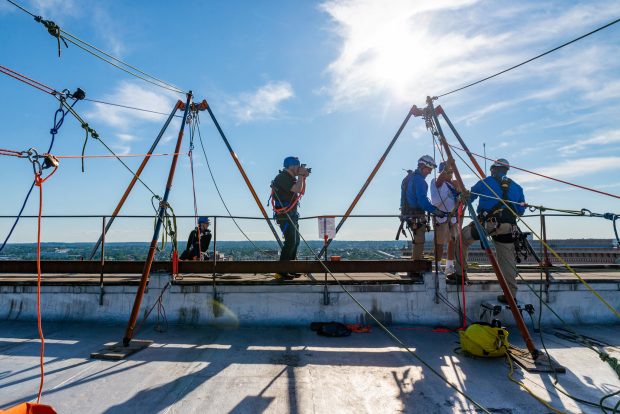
{"x": 327, "y": 81}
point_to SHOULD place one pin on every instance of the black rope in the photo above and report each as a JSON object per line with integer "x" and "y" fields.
{"x": 381, "y": 325}
{"x": 531, "y": 59}
{"x": 217, "y": 188}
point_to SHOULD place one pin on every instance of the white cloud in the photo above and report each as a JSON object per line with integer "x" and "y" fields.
{"x": 402, "y": 50}
{"x": 571, "y": 169}
{"x": 57, "y": 9}
{"x": 126, "y": 137}
{"x": 263, "y": 103}
{"x": 132, "y": 94}
{"x": 603, "y": 138}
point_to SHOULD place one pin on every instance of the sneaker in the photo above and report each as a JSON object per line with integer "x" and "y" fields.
{"x": 449, "y": 270}
{"x": 456, "y": 277}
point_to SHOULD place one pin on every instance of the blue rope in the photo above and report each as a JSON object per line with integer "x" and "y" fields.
{"x": 57, "y": 124}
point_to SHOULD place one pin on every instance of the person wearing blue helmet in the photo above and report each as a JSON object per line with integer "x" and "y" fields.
{"x": 287, "y": 188}
{"x": 496, "y": 192}
{"x": 192, "y": 252}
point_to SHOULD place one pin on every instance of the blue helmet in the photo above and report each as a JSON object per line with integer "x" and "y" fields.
{"x": 291, "y": 161}
{"x": 203, "y": 219}
{"x": 442, "y": 165}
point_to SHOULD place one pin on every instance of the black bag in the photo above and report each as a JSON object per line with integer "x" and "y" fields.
{"x": 330, "y": 329}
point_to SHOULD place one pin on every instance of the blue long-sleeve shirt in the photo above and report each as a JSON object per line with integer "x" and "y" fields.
{"x": 515, "y": 193}
{"x": 417, "y": 191}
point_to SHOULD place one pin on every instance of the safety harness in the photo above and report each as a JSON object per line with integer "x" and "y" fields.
{"x": 411, "y": 216}
{"x": 498, "y": 212}
{"x": 284, "y": 207}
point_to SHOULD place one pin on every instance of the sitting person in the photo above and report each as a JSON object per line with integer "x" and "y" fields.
{"x": 191, "y": 252}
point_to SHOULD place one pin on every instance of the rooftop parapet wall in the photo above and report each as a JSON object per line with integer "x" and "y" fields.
{"x": 300, "y": 304}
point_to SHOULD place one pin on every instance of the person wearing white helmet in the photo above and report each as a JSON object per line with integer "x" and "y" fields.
{"x": 415, "y": 203}
{"x": 444, "y": 196}
{"x": 498, "y": 221}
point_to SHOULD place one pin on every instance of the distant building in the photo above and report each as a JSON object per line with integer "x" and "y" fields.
{"x": 573, "y": 251}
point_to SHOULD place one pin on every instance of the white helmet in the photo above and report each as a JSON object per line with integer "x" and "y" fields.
{"x": 501, "y": 163}
{"x": 427, "y": 161}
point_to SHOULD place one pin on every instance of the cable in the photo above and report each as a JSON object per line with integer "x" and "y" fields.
{"x": 95, "y": 135}
{"x": 531, "y": 59}
{"x": 519, "y": 219}
{"x": 383, "y": 327}
{"x": 59, "y": 33}
{"x": 129, "y": 107}
{"x": 542, "y": 175}
{"x": 217, "y": 188}
{"x": 47, "y": 89}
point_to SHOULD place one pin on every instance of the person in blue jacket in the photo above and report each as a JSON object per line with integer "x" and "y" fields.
{"x": 499, "y": 222}
{"x": 415, "y": 203}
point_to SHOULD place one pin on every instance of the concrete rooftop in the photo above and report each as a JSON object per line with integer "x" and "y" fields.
{"x": 202, "y": 369}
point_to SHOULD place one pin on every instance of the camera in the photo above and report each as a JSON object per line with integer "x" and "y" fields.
{"x": 304, "y": 170}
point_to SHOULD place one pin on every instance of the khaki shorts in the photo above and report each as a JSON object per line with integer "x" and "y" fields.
{"x": 445, "y": 232}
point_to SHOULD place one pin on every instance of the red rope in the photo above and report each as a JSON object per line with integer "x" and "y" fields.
{"x": 28, "y": 81}
{"x": 191, "y": 167}
{"x": 39, "y": 183}
{"x": 460, "y": 222}
{"x": 10, "y": 153}
{"x": 543, "y": 175}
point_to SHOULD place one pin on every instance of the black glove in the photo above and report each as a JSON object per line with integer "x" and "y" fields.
{"x": 439, "y": 213}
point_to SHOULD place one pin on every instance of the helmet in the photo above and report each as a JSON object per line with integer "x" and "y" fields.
{"x": 501, "y": 163}
{"x": 203, "y": 219}
{"x": 442, "y": 166}
{"x": 427, "y": 161}
{"x": 291, "y": 161}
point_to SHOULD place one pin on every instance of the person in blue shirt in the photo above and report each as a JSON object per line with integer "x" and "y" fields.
{"x": 415, "y": 203}
{"x": 498, "y": 221}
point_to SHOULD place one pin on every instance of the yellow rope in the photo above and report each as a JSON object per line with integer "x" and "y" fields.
{"x": 590, "y": 288}
{"x": 525, "y": 387}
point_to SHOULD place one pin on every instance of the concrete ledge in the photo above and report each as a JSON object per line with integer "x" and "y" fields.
{"x": 300, "y": 304}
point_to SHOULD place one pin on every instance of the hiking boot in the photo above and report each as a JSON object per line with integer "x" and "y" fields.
{"x": 456, "y": 278}
{"x": 416, "y": 277}
{"x": 502, "y": 299}
{"x": 282, "y": 276}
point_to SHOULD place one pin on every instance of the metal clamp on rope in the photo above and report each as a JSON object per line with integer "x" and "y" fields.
{"x": 50, "y": 161}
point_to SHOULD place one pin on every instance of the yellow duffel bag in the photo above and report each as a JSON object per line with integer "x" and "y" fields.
{"x": 485, "y": 340}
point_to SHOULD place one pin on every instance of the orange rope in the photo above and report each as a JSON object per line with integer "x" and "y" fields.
{"x": 39, "y": 183}
{"x": 114, "y": 156}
